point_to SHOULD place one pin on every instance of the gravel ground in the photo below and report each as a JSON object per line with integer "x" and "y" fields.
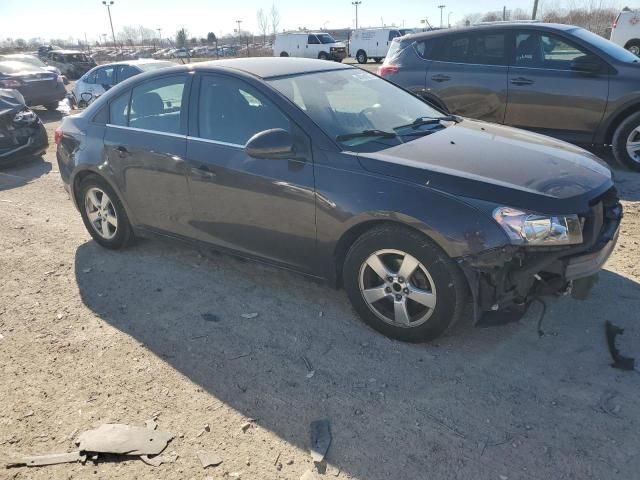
{"x": 90, "y": 336}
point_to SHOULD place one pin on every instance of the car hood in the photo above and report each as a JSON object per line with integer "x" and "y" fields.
{"x": 497, "y": 164}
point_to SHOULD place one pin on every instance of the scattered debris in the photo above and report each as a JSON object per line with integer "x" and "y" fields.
{"x": 28, "y": 414}
{"x": 247, "y": 425}
{"x": 51, "y": 459}
{"x": 604, "y": 404}
{"x": 619, "y": 361}
{"x": 249, "y": 315}
{"x": 124, "y": 439}
{"x": 320, "y": 439}
{"x": 158, "y": 460}
{"x": 210, "y": 317}
{"x": 206, "y": 428}
{"x": 151, "y": 424}
{"x": 277, "y": 458}
{"x": 310, "y": 475}
{"x": 310, "y": 370}
{"x": 209, "y": 459}
{"x": 86, "y": 270}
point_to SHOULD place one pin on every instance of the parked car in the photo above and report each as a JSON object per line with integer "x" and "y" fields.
{"x": 373, "y": 43}
{"x": 626, "y": 30}
{"x": 43, "y": 50}
{"x": 331, "y": 171}
{"x": 71, "y": 63}
{"x": 31, "y": 60}
{"x": 100, "y": 79}
{"x": 180, "y": 53}
{"x": 309, "y": 45}
{"x": 21, "y": 131}
{"x": 558, "y": 80}
{"x": 37, "y": 86}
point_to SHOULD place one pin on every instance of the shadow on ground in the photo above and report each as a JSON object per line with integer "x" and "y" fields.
{"x": 483, "y": 403}
{"x": 23, "y": 171}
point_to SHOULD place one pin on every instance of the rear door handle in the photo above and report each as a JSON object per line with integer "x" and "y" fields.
{"x": 122, "y": 151}
{"x": 521, "y": 81}
{"x": 203, "y": 171}
{"x": 441, "y": 78}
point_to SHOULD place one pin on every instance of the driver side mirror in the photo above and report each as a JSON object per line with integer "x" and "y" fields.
{"x": 273, "y": 143}
{"x": 586, "y": 64}
{"x": 86, "y": 97}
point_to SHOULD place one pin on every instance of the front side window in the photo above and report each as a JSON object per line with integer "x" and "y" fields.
{"x": 90, "y": 78}
{"x": 157, "y": 104}
{"x": 126, "y": 71}
{"x": 313, "y": 40}
{"x": 105, "y": 76}
{"x": 326, "y": 38}
{"x": 545, "y": 51}
{"x": 393, "y": 34}
{"x": 360, "y": 111}
{"x": 119, "y": 110}
{"x": 232, "y": 111}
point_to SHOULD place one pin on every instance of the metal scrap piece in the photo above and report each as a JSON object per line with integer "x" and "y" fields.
{"x": 320, "y": 439}
{"x": 51, "y": 459}
{"x": 124, "y": 439}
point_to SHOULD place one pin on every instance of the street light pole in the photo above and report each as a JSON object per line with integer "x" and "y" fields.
{"x": 535, "y": 10}
{"x": 355, "y": 4}
{"x": 108, "y": 5}
{"x": 441, "y": 7}
{"x": 159, "y": 36}
{"x": 449, "y": 19}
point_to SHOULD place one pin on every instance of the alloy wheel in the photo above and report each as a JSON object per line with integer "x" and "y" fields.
{"x": 397, "y": 288}
{"x": 101, "y": 213}
{"x": 635, "y": 49}
{"x": 633, "y": 145}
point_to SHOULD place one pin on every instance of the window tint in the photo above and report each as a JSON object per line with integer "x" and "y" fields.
{"x": 119, "y": 110}
{"x": 231, "y": 111}
{"x": 393, "y": 34}
{"x": 90, "y": 78}
{"x": 156, "y": 104}
{"x": 313, "y": 40}
{"x": 482, "y": 49}
{"x": 105, "y": 76}
{"x": 545, "y": 51}
{"x": 126, "y": 71}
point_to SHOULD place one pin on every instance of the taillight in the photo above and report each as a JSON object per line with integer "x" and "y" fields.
{"x": 10, "y": 83}
{"x": 57, "y": 136}
{"x": 385, "y": 70}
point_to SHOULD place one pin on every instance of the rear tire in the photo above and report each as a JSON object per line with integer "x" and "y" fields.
{"x": 377, "y": 59}
{"x": 634, "y": 47}
{"x": 116, "y": 237}
{"x": 284, "y": 54}
{"x": 395, "y": 305}
{"x": 361, "y": 56}
{"x": 626, "y": 142}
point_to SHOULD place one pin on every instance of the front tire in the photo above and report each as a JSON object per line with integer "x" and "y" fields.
{"x": 361, "y": 56}
{"x": 403, "y": 285}
{"x": 626, "y": 142}
{"x": 323, "y": 56}
{"x": 284, "y": 54}
{"x": 634, "y": 47}
{"x": 103, "y": 213}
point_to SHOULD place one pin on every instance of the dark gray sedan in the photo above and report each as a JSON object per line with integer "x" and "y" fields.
{"x": 333, "y": 172}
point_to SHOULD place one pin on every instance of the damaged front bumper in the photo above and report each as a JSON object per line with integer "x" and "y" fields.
{"x": 512, "y": 276}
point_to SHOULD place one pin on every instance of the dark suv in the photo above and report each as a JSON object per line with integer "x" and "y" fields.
{"x": 559, "y": 80}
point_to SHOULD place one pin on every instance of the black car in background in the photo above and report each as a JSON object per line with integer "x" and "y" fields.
{"x": 36, "y": 85}
{"x": 559, "y": 80}
{"x": 331, "y": 171}
{"x": 71, "y": 63}
{"x": 21, "y": 131}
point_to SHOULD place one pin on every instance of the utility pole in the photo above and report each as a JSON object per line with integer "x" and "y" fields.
{"x": 355, "y": 4}
{"x": 449, "y": 19}
{"x": 159, "y": 36}
{"x": 441, "y": 7}
{"x": 535, "y": 9}
{"x": 108, "y": 4}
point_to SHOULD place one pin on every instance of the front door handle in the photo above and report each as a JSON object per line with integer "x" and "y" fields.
{"x": 521, "y": 81}
{"x": 122, "y": 151}
{"x": 441, "y": 78}
{"x": 203, "y": 171}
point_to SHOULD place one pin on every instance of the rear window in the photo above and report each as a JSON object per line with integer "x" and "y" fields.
{"x": 17, "y": 67}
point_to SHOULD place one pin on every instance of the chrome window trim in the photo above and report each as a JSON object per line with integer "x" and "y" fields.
{"x": 144, "y": 130}
{"x": 215, "y": 142}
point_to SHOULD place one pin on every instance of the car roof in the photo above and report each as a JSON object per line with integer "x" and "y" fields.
{"x": 266, "y": 67}
{"x": 491, "y": 26}
{"x": 66, "y": 52}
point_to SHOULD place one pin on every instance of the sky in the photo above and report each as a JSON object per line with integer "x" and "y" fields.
{"x": 75, "y": 18}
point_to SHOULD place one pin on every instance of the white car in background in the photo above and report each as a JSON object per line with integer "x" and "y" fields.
{"x": 100, "y": 79}
{"x": 309, "y": 45}
{"x": 626, "y": 30}
{"x": 374, "y": 43}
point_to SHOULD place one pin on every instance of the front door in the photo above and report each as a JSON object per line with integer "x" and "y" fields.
{"x": 145, "y": 143}
{"x": 547, "y": 96}
{"x": 260, "y": 207}
{"x": 313, "y": 47}
{"x": 468, "y": 73}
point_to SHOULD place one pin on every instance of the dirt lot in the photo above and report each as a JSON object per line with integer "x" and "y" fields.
{"x": 89, "y": 336}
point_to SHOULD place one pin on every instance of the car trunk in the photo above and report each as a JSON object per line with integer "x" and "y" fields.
{"x": 36, "y": 84}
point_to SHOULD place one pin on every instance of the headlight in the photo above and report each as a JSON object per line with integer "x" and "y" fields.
{"x": 25, "y": 116}
{"x": 525, "y": 228}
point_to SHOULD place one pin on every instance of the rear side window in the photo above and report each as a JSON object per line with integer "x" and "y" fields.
{"x": 479, "y": 49}
{"x": 232, "y": 111}
{"x": 156, "y": 105}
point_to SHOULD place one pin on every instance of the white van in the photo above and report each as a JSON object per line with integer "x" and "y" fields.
{"x": 373, "y": 43}
{"x": 626, "y": 30}
{"x": 310, "y": 45}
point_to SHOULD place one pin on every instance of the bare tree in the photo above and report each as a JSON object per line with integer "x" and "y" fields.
{"x": 275, "y": 18}
{"x": 263, "y": 24}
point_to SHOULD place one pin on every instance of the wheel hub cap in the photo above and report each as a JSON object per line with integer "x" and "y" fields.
{"x": 101, "y": 213}
{"x": 633, "y": 144}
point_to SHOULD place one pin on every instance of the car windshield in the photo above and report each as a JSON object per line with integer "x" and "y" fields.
{"x": 147, "y": 67}
{"x": 608, "y": 47}
{"x": 325, "y": 38}
{"x": 359, "y": 110}
{"x": 17, "y": 67}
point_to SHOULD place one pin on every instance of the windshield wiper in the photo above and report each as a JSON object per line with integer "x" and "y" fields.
{"x": 420, "y": 121}
{"x": 366, "y": 133}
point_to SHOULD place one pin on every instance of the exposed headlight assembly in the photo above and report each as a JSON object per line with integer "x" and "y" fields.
{"x": 25, "y": 117}
{"x": 526, "y": 228}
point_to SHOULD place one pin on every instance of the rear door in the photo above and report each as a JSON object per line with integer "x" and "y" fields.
{"x": 546, "y": 95}
{"x": 260, "y": 207}
{"x": 468, "y": 73}
{"x": 145, "y": 142}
